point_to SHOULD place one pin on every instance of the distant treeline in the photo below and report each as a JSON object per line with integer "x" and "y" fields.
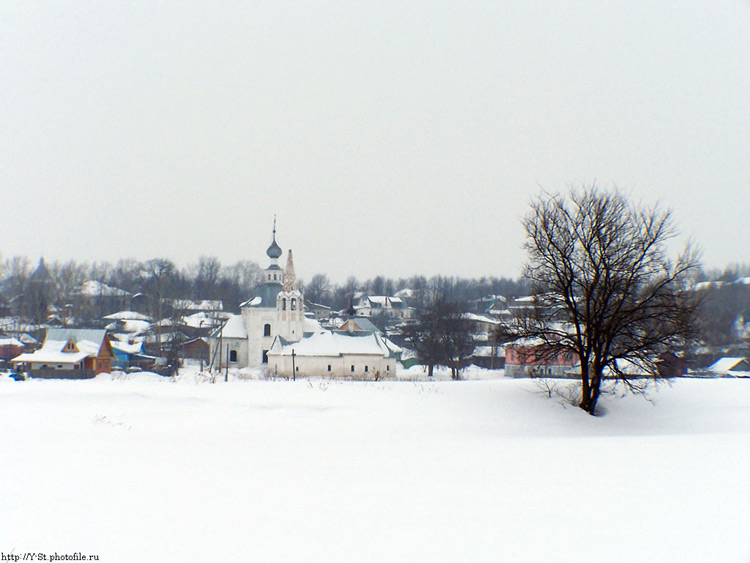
{"x": 232, "y": 284}
{"x": 724, "y": 316}
{"x": 725, "y": 308}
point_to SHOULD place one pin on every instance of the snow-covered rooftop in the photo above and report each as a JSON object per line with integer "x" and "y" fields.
{"x": 707, "y": 285}
{"x": 127, "y": 316}
{"x": 128, "y": 347}
{"x": 726, "y": 364}
{"x": 233, "y": 328}
{"x": 203, "y": 319}
{"x": 335, "y": 344}
{"x": 252, "y": 302}
{"x": 201, "y": 305}
{"x": 311, "y": 325}
{"x": 480, "y": 318}
{"x": 489, "y": 351}
{"x": 87, "y": 341}
{"x": 129, "y": 327}
{"x": 96, "y": 288}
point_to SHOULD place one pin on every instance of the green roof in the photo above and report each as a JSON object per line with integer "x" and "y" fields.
{"x": 267, "y": 294}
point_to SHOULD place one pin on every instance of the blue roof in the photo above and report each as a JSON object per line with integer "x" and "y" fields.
{"x": 267, "y": 293}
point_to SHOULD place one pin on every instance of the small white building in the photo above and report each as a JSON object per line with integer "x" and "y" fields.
{"x": 333, "y": 354}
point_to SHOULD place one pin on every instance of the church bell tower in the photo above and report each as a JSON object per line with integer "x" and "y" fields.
{"x": 290, "y": 305}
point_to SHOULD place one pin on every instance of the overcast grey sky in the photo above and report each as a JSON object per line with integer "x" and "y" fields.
{"x": 392, "y": 138}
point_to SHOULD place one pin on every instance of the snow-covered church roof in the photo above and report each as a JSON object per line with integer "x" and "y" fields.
{"x": 234, "y": 328}
{"x": 333, "y": 344}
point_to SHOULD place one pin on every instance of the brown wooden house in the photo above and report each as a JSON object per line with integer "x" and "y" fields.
{"x": 69, "y": 353}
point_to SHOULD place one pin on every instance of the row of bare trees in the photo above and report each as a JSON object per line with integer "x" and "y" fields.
{"x": 159, "y": 278}
{"x": 233, "y": 284}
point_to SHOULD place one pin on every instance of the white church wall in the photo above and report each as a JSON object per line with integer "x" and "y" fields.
{"x": 355, "y": 366}
{"x": 255, "y": 321}
{"x": 236, "y": 345}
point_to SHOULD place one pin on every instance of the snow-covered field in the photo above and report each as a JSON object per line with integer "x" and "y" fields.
{"x": 145, "y": 469}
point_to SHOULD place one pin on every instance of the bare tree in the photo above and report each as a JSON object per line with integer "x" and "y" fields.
{"x": 238, "y": 282}
{"x": 100, "y": 271}
{"x": 70, "y": 276}
{"x": 318, "y": 289}
{"x": 343, "y": 294}
{"x": 158, "y": 278}
{"x": 458, "y": 338}
{"x": 441, "y": 336}
{"x": 16, "y": 272}
{"x": 125, "y": 275}
{"x": 606, "y": 290}
{"x": 207, "y": 276}
{"x": 377, "y": 286}
{"x": 424, "y": 337}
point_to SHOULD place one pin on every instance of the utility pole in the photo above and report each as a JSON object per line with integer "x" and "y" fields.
{"x": 226, "y": 368}
{"x": 294, "y": 369}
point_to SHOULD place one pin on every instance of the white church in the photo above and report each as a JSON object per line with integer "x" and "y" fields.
{"x": 273, "y": 333}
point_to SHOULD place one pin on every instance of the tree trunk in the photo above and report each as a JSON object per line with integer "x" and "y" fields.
{"x": 430, "y": 368}
{"x": 590, "y": 391}
{"x": 585, "y": 387}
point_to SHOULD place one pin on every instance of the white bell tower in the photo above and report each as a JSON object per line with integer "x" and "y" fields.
{"x": 290, "y": 306}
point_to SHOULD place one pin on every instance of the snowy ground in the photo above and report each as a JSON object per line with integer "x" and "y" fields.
{"x": 145, "y": 469}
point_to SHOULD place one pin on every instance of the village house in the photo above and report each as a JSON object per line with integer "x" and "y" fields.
{"x": 195, "y": 349}
{"x": 130, "y": 354}
{"x": 319, "y": 312}
{"x": 730, "y": 367}
{"x": 10, "y": 347}
{"x": 535, "y": 358}
{"x": 69, "y": 353}
{"x": 128, "y": 322}
{"x": 493, "y": 305}
{"x": 392, "y": 308}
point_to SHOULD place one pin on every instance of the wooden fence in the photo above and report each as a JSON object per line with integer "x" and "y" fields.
{"x": 50, "y": 373}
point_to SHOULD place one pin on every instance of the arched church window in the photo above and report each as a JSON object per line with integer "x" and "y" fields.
{"x": 294, "y": 304}
{"x": 283, "y": 303}
{"x": 267, "y": 330}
